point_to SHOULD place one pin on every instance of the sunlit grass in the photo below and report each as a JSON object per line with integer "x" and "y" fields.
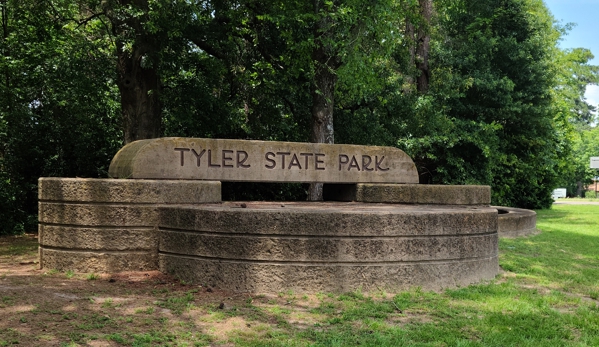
{"x": 564, "y": 256}
{"x": 546, "y": 295}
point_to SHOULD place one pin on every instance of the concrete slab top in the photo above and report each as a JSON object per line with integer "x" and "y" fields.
{"x": 333, "y": 207}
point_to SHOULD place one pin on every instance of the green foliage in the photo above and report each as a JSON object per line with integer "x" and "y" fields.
{"x": 58, "y": 108}
{"x": 505, "y": 106}
{"x": 490, "y": 116}
{"x": 585, "y": 144}
{"x": 574, "y": 76}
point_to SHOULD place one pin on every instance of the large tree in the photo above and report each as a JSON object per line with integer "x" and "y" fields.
{"x": 476, "y": 91}
{"x": 342, "y": 33}
{"x": 418, "y": 31}
{"x": 137, "y": 48}
{"x": 489, "y": 118}
{"x": 575, "y": 74}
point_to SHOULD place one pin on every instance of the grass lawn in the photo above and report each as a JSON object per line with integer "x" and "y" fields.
{"x": 587, "y": 199}
{"x": 547, "y": 295}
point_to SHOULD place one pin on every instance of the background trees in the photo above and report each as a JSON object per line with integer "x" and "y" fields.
{"x": 494, "y": 75}
{"x": 477, "y": 92}
{"x": 58, "y": 104}
{"x": 580, "y": 117}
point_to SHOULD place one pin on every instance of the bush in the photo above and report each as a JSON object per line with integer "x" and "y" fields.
{"x": 10, "y": 216}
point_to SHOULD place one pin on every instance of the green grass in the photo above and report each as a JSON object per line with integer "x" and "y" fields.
{"x": 565, "y": 256}
{"x": 546, "y": 297}
{"x": 20, "y": 245}
{"x": 589, "y": 198}
{"x": 177, "y": 304}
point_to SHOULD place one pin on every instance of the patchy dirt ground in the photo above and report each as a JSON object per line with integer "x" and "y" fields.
{"x": 50, "y": 308}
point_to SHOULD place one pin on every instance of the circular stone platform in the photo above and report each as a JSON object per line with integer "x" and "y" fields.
{"x": 309, "y": 247}
{"x": 516, "y": 222}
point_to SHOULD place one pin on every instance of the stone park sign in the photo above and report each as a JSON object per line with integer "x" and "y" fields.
{"x": 251, "y": 161}
{"x": 168, "y": 215}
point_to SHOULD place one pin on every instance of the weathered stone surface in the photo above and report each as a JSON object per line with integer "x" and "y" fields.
{"x": 128, "y": 191}
{"x": 96, "y": 237}
{"x": 327, "y": 277}
{"x": 85, "y": 261}
{"x": 326, "y": 248}
{"x": 239, "y": 160}
{"x": 269, "y": 247}
{"x": 121, "y": 225}
{"x": 516, "y": 222}
{"x": 410, "y": 193}
{"x": 99, "y": 239}
{"x": 332, "y": 218}
{"x": 91, "y": 214}
{"x": 108, "y": 225}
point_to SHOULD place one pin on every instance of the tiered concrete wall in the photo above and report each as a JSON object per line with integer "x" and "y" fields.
{"x": 104, "y": 225}
{"x": 386, "y": 233}
{"x": 182, "y": 228}
{"x": 269, "y": 247}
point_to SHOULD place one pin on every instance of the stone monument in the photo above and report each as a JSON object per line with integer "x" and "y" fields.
{"x": 162, "y": 209}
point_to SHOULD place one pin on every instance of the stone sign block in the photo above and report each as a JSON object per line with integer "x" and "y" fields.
{"x": 261, "y": 161}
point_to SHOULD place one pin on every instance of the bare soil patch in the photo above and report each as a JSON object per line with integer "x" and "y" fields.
{"x": 44, "y": 307}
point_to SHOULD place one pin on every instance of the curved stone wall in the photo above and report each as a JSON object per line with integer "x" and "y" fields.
{"x": 269, "y": 247}
{"x": 182, "y": 228}
{"x": 515, "y": 222}
{"x": 106, "y": 225}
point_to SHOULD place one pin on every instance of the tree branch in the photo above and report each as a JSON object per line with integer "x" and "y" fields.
{"x": 88, "y": 19}
{"x": 204, "y": 46}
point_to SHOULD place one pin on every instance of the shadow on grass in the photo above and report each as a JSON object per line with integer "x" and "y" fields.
{"x": 481, "y": 315}
{"x": 564, "y": 256}
{"x": 545, "y": 298}
{"x": 18, "y": 245}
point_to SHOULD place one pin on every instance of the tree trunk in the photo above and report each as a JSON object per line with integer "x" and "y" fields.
{"x": 140, "y": 96}
{"x": 323, "y": 92}
{"x": 419, "y": 48}
{"x": 410, "y": 34}
{"x": 137, "y": 76}
{"x": 423, "y": 46}
{"x": 6, "y": 47}
{"x": 323, "y": 101}
{"x": 322, "y": 116}
{"x": 6, "y": 53}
